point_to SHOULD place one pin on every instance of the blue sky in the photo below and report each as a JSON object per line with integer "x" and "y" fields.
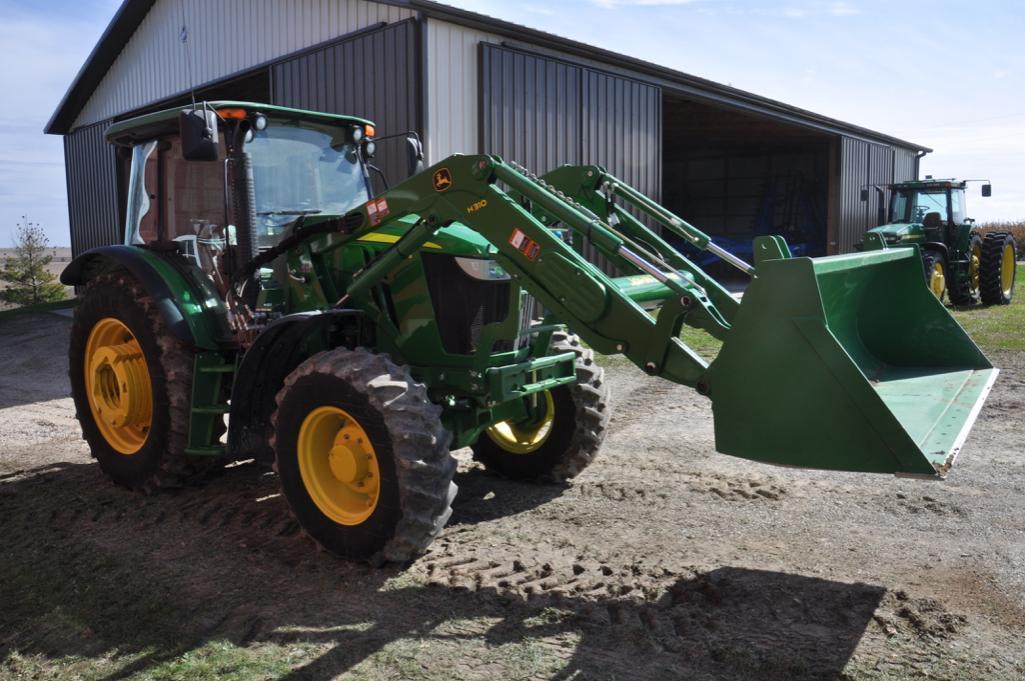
{"x": 941, "y": 73}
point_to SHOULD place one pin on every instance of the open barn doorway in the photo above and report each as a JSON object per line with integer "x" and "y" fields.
{"x": 737, "y": 175}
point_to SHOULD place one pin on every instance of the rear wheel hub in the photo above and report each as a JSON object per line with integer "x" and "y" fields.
{"x": 118, "y": 386}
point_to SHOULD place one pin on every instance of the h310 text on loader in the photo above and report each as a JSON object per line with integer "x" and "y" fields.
{"x": 354, "y": 340}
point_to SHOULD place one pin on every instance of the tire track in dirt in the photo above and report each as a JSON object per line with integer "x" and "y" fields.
{"x": 724, "y": 487}
{"x": 688, "y": 610}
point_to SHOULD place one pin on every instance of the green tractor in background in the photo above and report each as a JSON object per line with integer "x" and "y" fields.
{"x": 957, "y": 261}
{"x": 268, "y": 304}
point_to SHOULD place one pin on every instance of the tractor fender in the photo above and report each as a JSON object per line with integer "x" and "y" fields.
{"x": 194, "y": 316}
{"x": 936, "y": 246}
{"x": 281, "y": 347}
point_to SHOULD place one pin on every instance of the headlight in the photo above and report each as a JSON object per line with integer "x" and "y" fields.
{"x": 357, "y": 133}
{"x": 484, "y": 270}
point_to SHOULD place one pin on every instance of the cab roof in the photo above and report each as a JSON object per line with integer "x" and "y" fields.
{"x": 158, "y": 123}
{"x": 950, "y": 183}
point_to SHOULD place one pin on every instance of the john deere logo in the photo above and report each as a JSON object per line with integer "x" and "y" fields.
{"x": 442, "y": 180}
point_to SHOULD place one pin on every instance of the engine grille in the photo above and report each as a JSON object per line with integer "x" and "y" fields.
{"x": 464, "y": 305}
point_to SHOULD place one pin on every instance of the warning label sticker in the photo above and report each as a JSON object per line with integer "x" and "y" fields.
{"x": 377, "y": 211}
{"x": 525, "y": 245}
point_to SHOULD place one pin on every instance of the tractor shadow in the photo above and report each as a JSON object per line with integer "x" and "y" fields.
{"x": 130, "y": 583}
{"x": 484, "y": 496}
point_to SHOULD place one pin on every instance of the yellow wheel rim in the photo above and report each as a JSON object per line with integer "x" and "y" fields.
{"x": 974, "y": 265}
{"x": 525, "y": 437}
{"x": 338, "y": 465}
{"x": 117, "y": 386}
{"x": 1007, "y": 270}
{"x": 937, "y": 280}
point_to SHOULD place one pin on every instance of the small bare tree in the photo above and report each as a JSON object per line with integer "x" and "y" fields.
{"x": 24, "y": 275}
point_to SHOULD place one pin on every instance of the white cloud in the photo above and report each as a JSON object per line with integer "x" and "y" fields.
{"x": 843, "y": 9}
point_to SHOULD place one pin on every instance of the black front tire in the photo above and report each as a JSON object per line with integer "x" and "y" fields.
{"x": 410, "y": 445}
{"x": 161, "y": 462}
{"x": 997, "y": 286}
{"x": 580, "y": 424}
{"x": 963, "y": 290}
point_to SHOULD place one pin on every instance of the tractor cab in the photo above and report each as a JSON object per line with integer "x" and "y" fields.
{"x": 925, "y": 211}
{"x": 957, "y": 261}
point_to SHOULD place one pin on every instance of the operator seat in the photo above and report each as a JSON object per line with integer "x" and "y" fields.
{"x": 932, "y": 221}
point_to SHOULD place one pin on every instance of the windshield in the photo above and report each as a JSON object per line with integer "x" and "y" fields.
{"x": 912, "y": 205}
{"x": 302, "y": 170}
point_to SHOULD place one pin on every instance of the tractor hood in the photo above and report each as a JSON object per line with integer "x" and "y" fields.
{"x": 900, "y": 232}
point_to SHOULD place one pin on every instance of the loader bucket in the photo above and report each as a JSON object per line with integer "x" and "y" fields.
{"x": 847, "y": 363}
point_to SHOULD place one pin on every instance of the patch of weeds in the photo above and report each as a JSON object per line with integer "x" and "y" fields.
{"x": 225, "y": 661}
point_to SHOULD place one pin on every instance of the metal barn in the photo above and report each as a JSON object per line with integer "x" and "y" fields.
{"x": 731, "y": 162}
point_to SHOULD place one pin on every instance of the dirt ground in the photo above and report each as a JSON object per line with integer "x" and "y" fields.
{"x": 664, "y": 560}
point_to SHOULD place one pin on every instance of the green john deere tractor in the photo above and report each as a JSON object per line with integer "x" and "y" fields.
{"x": 267, "y": 304}
{"x": 958, "y": 261}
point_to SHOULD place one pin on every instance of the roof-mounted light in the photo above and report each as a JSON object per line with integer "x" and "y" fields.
{"x": 232, "y": 114}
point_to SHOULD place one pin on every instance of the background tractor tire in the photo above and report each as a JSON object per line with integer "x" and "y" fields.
{"x": 578, "y": 426}
{"x": 997, "y": 268}
{"x": 362, "y": 457}
{"x": 116, "y": 315}
{"x": 934, "y": 265}
{"x": 965, "y": 291}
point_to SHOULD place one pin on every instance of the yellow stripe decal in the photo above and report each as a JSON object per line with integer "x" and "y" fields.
{"x": 378, "y": 238}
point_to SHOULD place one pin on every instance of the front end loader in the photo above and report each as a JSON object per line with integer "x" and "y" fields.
{"x": 267, "y": 304}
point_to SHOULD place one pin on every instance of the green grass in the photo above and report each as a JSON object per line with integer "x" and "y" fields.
{"x": 997, "y": 327}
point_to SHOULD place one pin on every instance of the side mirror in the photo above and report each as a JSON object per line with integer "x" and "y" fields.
{"x": 414, "y": 156}
{"x": 987, "y": 190}
{"x": 864, "y": 194}
{"x": 198, "y": 131}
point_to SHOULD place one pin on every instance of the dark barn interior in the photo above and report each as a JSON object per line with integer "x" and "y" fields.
{"x": 737, "y": 175}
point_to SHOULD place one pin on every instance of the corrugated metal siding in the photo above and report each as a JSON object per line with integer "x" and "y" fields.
{"x": 622, "y": 129}
{"x": 530, "y": 109}
{"x": 863, "y": 163}
{"x": 374, "y": 75}
{"x": 225, "y": 37}
{"x": 453, "y": 89}
{"x": 543, "y": 113}
{"x": 905, "y": 165}
{"x": 454, "y": 85}
{"x": 91, "y": 167}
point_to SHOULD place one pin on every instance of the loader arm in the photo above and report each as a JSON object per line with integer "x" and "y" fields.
{"x": 591, "y": 303}
{"x": 842, "y": 362}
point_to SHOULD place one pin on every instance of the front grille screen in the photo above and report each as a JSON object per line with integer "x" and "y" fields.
{"x": 463, "y": 305}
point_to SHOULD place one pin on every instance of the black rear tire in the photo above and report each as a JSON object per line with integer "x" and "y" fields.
{"x": 161, "y": 461}
{"x": 996, "y": 284}
{"x": 409, "y": 445}
{"x": 934, "y": 266}
{"x": 579, "y": 427}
